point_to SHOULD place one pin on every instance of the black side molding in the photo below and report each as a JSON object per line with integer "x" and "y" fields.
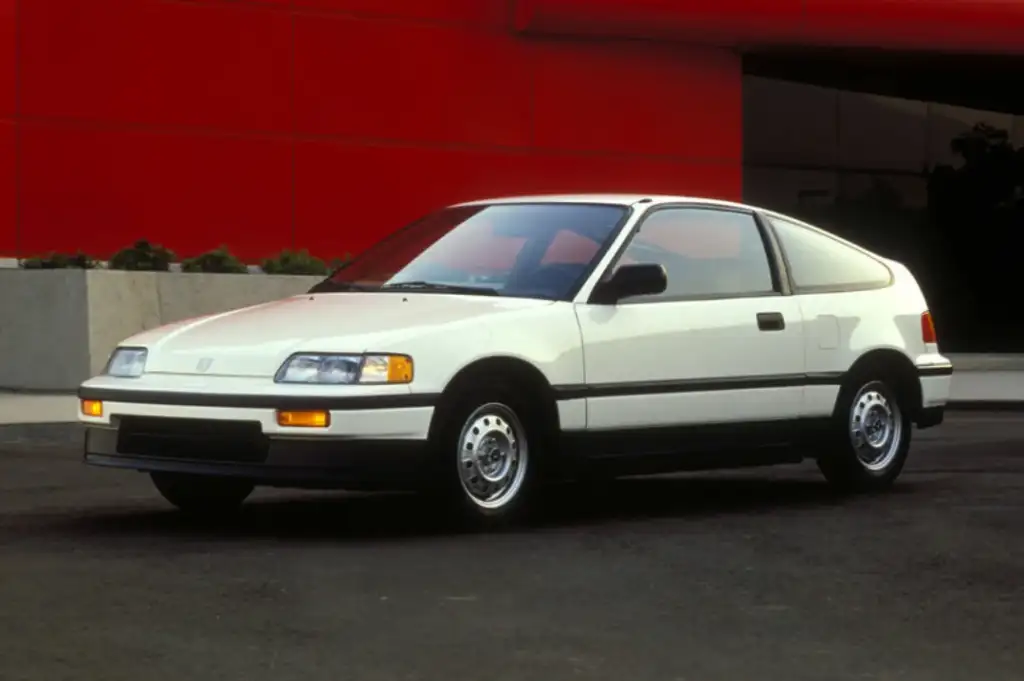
{"x": 638, "y": 388}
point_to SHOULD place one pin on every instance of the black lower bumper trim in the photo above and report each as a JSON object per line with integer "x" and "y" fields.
{"x": 935, "y": 370}
{"x": 930, "y": 417}
{"x": 306, "y": 463}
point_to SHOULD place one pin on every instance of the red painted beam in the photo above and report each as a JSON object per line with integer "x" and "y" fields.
{"x": 981, "y": 26}
{"x": 719, "y": 22}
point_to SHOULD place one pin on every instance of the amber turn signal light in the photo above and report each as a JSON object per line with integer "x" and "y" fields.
{"x": 92, "y": 408}
{"x": 304, "y": 419}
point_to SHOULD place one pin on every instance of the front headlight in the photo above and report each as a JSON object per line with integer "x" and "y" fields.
{"x": 127, "y": 363}
{"x": 345, "y": 369}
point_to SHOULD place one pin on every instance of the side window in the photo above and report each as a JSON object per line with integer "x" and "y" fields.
{"x": 819, "y": 262}
{"x": 706, "y": 253}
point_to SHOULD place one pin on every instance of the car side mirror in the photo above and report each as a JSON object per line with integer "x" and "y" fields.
{"x": 642, "y": 279}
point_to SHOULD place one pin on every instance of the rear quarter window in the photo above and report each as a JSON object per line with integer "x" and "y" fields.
{"x": 819, "y": 263}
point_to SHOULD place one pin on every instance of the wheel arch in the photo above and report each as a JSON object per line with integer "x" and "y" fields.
{"x": 515, "y": 370}
{"x": 889, "y": 362}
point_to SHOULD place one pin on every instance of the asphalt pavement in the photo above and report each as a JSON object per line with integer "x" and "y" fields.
{"x": 760, "y": 575}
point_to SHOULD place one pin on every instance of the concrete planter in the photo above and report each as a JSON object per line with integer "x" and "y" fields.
{"x": 57, "y": 327}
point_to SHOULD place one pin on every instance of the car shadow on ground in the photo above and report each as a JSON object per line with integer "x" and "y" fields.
{"x": 297, "y": 516}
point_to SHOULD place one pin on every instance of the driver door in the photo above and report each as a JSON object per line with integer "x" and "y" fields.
{"x": 721, "y": 345}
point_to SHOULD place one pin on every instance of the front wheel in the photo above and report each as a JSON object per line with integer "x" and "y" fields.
{"x": 202, "y": 496}
{"x": 871, "y": 437}
{"x": 487, "y": 457}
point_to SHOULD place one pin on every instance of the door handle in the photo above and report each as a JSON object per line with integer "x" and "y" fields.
{"x": 770, "y": 321}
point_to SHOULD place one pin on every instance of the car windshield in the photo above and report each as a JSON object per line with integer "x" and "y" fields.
{"x": 529, "y": 250}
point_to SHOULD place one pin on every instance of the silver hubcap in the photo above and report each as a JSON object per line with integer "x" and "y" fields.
{"x": 876, "y": 427}
{"x": 493, "y": 455}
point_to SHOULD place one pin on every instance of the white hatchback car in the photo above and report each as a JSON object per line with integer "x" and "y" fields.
{"x": 497, "y": 344}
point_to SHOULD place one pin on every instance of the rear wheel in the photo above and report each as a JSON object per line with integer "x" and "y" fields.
{"x": 871, "y": 433}
{"x": 200, "y": 495}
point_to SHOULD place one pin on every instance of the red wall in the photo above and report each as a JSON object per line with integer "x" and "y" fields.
{"x": 324, "y": 124}
{"x": 8, "y": 215}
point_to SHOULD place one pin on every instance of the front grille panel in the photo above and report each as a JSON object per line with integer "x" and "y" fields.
{"x": 192, "y": 439}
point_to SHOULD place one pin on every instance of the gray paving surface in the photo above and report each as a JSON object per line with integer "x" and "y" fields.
{"x": 728, "y": 576}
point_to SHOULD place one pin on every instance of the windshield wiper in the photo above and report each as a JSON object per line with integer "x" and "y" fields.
{"x": 438, "y": 288}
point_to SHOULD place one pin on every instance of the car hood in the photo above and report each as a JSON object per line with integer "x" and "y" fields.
{"x": 254, "y": 341}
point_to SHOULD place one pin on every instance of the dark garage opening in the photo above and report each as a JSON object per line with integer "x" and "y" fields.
{"x": 918, "y": 157}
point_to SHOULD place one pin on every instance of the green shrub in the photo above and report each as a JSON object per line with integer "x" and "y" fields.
{"x": 219, "y": 260}
{"x": 143, "y": 256}
{"x": 58, "y": 261}
{"x": 294, "y": 262}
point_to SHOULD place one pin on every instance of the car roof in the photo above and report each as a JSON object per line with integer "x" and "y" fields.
{"x": 655, "y": 199}
{"x": 613, "y": 199}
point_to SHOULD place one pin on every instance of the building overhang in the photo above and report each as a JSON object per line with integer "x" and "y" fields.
{"x": 972, "y": 26}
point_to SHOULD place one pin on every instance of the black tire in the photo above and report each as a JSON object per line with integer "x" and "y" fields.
{"x": 508, "y": 429}
{"x": 848, "y": 467}
{"x": 202, "y": 496}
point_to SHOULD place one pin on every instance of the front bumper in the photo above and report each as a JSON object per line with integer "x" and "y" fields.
{"x": 367, "y": 447}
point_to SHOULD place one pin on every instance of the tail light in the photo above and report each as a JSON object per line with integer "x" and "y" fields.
{"x": 928, "y": 334}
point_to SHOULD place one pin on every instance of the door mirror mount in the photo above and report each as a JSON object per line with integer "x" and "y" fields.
{"x": 641, "y": 279}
